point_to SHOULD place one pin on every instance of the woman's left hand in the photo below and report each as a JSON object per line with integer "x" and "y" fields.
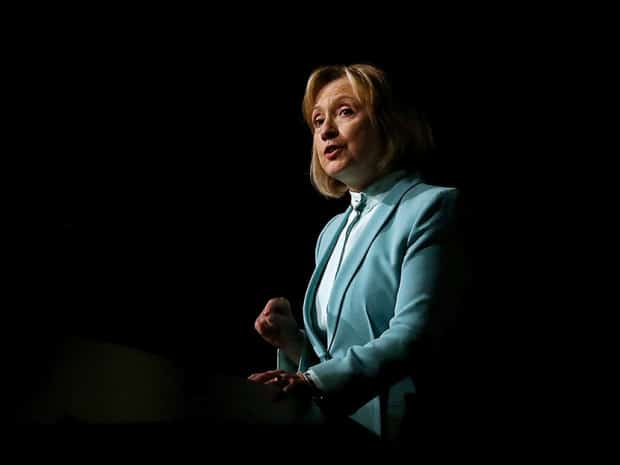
{"x": 289, "y": 382}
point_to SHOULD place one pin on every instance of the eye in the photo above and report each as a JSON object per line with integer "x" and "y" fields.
{"x": 318, "y": 121}
{"x": 346, "y": 111}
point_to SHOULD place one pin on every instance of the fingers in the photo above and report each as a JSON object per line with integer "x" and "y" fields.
{"x": 266, "y": 376}
{"x": 282, "y": 380}
{"x": 265, "y": 326}
{"x": 269, "y": 307}
{"x": 279, "y": 305}
{"x": 295, "y": 383}
{"x": 279, "y": 377}
{"x": 270, "y": 321}
{"x": 289, "y": 386}
{"x": 288, "y": 382}
{"x": 277, "y": 311}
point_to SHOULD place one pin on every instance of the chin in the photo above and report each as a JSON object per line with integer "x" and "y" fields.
{"x": 335, "y": 168}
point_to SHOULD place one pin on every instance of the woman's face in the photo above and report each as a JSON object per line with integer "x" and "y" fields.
{"x": 347, "y": 145}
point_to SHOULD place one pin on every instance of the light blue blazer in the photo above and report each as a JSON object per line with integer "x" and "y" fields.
{"x": 392, "y": 289}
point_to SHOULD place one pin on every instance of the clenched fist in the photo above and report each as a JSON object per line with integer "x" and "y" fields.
{"x": 276, "y": 325}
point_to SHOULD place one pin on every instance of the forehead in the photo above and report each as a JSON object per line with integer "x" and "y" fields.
{"x": 334, "y": 90}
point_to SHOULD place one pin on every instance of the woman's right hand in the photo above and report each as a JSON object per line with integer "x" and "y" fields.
{"x": 276, "y": 325}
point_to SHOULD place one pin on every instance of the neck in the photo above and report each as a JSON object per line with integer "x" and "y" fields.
{"x": 360, "y": 186}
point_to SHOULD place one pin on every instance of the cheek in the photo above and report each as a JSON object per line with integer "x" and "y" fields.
{"x": 359, "y": 131}
{"x": 369, "y": 142}
{"x": 359, "y": 141}
{"x": 318, "y": 156}
{"x": 319, "y": 144}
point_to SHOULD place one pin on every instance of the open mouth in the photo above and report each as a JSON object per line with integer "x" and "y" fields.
{"x": 332, "y": 150}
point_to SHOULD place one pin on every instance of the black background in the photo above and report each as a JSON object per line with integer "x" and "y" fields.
{"x": 162, "y": 183}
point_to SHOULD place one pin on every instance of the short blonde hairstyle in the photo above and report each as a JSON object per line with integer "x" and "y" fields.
{"x": 405, "y": 135}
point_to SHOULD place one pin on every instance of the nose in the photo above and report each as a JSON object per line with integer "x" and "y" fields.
{"x": 329, "y": 130}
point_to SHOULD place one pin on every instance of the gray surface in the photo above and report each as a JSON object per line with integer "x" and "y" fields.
{"x": 97, "y": 382}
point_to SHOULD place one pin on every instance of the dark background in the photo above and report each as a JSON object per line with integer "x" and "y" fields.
{"x": 164, "y": 195}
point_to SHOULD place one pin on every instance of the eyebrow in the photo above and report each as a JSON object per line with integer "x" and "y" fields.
{"x": 337, "y": 101}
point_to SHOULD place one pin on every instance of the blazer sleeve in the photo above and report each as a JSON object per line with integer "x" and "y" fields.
{"x": 306, "y": 359}
{"x": 284, "y": 363}
{"x": 425, "y": 278}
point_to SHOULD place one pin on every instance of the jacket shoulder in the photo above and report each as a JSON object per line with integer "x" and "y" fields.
{"x": 423, "y": 195}
{"x": 429, "y": 206}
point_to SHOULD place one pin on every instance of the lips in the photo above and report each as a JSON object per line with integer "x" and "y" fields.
{"x": 331, "y": 151}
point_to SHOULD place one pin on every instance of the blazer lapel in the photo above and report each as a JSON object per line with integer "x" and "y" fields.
{"x": 309, "y": 312}
{"x": 353, "y": 261}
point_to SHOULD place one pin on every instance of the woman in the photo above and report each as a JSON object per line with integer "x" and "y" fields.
{"x": 386, "y": 281}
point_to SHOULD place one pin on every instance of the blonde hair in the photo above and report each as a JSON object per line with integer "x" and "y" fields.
{"x": 405, "y": 135}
